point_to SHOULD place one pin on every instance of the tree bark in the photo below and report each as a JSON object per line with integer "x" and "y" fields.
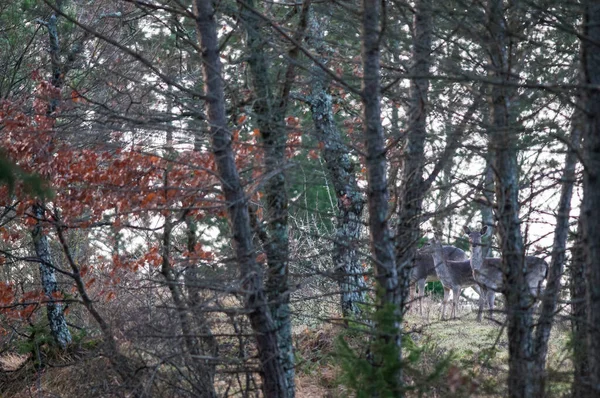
{"x": 413, "y": 161}
{"x": 273, "y": 372}
{"x": 503, "y": 142}
{"x": 56, "y": 318}
{"x": 590, "y": 208}
{"x": 270, "y": 113}
{"x": 350, "y": 201}
{"x": 577, "y": 289}
{"x": 558, "y": 257}
{"x": 382, "y": 249}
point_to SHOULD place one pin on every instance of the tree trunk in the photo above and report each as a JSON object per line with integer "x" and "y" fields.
{"x": 557, "y": 261}
{"x": 56, "y": 318}
{"x": 382, "y": 249}
{"x": 503, "y": 142}
{"x": 350, "y": 201}
{"x": 413, "y": 161}
{"x": 270, "y": 113}
{"x": 590, "y": 208}
{"x": 273, "y": 372}
{"x": 577, "y": 288}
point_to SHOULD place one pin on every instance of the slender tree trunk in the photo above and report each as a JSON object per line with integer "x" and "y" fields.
{"x": 503, "y": 144}
{"x": 202, "y": 371}
{"x": 273, "y": 373}
{"x": 577, "y": 287}
{"x": 350, "y": 201}
{"x": 382, "y": 248}
{"x": 487, "y": 214}
{"x": 557, "y": 261}
{"x": 413, "y": 162}
{"x": 270, "y": 113}
{"x": 590, "y": 208}
{"x": 56, "y": 318}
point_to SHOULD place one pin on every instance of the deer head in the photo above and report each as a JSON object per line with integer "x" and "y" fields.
{"x": 474, "y": 236}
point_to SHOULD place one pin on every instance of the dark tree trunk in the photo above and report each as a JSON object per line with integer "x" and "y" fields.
{"x": 413, "y": 162}
{"x": 577, "y": 289}
{"x": 382, "y": 248}
{"x": 273, "y": 372}
{"x": 590, "y": 207}
{"x": 377, "y": 191}
{"x": 350, "y": 201}
{"x": 557, "y": 261}
{"x": 270, "y": 112}
{"x": 487, "y": 214}
{"x": 503, "y": 142}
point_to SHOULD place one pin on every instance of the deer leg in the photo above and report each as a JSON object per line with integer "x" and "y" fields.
{"x": 421, "y": 283}
{"x": 482, "y": 298}
{"x": 411, "y": 297}
{"x": 455, "y": 298}
{"x": 491, "y": 296}
{"x": 445, "y": 301}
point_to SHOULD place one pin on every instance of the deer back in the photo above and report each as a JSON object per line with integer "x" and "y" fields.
{"x": 423, "y": 267}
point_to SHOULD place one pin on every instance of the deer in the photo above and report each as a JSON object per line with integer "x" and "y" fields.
{"x": 453, "y": 274}
{"x": 488, "y": 271}
{"x": 424, "y": 269}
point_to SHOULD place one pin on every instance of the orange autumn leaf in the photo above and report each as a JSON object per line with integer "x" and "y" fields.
{"x": 242, "y": 119}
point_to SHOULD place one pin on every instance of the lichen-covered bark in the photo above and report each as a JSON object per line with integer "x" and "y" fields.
{"x": 590, "y": 207}
{"x": 557, "y": 261}
{"x": 503, "y": 142}
{"x": 350, "y": 201}
{"x": 273, "y": 372}
{"x": 269, "y": 110}
{"x": 56, "y": 318}
{"x": 413, "y": 161}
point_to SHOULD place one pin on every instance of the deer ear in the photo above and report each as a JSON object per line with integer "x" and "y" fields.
{"x": 466, "y": 229}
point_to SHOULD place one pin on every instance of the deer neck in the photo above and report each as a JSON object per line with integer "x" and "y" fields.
{"x": 438, "y": 259}
{"x": 476, "y": 256}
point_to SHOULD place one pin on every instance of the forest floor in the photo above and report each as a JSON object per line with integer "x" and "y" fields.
{"x": 475, "y": 357}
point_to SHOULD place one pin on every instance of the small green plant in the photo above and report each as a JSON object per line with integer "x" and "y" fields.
{"x": 375, "y": 371}
{"x": 38, "y": 343}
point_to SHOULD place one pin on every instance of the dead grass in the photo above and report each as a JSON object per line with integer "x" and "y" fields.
{"x": 11, "y": 362}
{"x": 478, "y": 367}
